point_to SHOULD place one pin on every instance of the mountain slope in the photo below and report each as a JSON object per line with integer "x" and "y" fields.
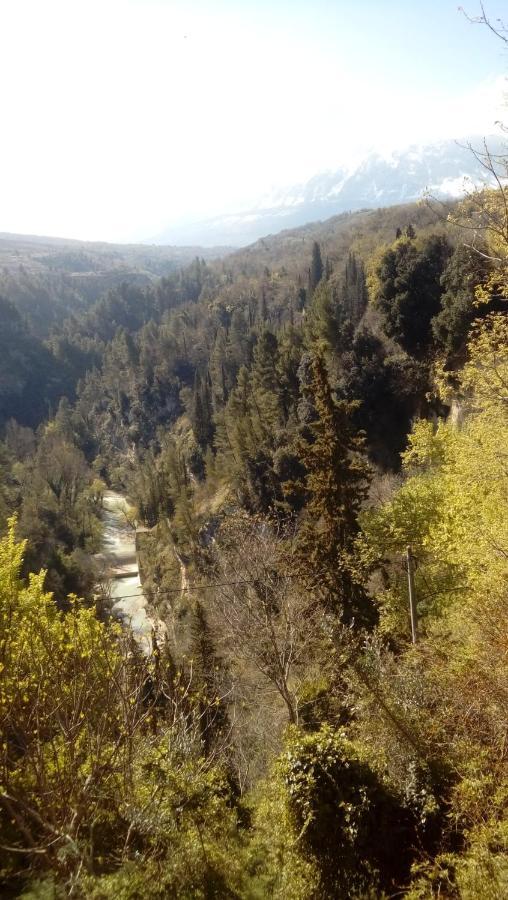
{"x": 402, "y": 177}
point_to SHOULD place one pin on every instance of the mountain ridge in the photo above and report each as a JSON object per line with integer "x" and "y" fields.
{"x": 443, "y": 168}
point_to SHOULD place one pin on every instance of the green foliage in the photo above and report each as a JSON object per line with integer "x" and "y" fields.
{"x": 227, "y": 399}
{"x": 389, "y": 388}
{"x": 410, "y": 290}
{"x": 316, "y": 268}
{"x": 189, "y": 836}
{"x": 336, "y": 483}
{"x": 85, "y": 789}
{"x": 328, "y": 323}
{"x": 59, "y": 728}
{"x": 31, "y": 378}
{"x": 452, "y": 687}
{"x": 48, "y": 482}
{"x": 466, "y": 269}
{"x": 202, "y": 412}
{"x": 345, "y": 826}
{"x": 338, "y": 305}
{"x": 450, "y": 509}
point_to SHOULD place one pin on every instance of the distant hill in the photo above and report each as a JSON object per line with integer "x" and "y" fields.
{"x": 47, "y": 277}
{"x": 38, "y": 254}
{"x": 377, "y": 181}
{"x": 279, "y": 259}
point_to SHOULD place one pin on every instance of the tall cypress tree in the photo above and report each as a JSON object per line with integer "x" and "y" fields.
{"x": 354, "y": 290}
{"x": 316, "y": 267}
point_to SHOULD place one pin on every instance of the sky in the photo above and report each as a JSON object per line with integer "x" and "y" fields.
{"x": 120, "y": 117}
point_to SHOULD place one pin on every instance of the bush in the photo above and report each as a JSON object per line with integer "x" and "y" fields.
{"x": 348, "y": 827}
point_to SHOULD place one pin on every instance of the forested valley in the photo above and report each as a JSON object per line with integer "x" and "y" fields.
{"x": 312, "y": 435}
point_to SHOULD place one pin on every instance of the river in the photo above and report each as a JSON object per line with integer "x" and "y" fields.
{"x": 119, "y": 562}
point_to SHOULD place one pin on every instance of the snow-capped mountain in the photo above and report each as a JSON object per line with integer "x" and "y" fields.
{"x": 443, "y": 169}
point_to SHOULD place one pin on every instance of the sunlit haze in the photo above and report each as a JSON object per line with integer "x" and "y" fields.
{"x": 121, "y": 116}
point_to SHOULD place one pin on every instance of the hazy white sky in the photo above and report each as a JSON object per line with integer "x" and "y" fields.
{"x": 121, "y": 116}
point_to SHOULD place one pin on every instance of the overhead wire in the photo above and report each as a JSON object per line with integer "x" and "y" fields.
{"x": 194, "y": 587}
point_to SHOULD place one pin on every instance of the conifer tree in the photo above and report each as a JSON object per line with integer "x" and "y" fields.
{"x": 234, "y": 434}
{"x": 222, "y": 368}
{"x": 265, "y": 383}
{"x": 316, "y": 267}
{"x": 290, "y": 351}
{"x": 264, "y": 370}
{"x": 263, "y": 307}
{"x": 201, "y": 413}
{"x": 239, "y": 338}
{"x": 354, "y": 289}
{"x": 329, "y": 323}
{"x": 302, "y": 298}
{"x": 208, "y": 671}
{"x": 467, "y": 268}
{"x": 336, "y": 484}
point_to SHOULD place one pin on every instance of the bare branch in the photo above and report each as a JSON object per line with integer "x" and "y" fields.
{"x": 499, "y": 31}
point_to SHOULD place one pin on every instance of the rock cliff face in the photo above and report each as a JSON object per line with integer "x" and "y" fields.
{"x": 443, "y": 169}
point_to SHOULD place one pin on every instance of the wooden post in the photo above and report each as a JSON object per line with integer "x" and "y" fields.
{"x": 412, "y": 595}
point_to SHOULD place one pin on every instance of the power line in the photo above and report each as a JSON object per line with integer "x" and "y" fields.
{"x": 197, "y": 587}
{"x": 217, "y": 584}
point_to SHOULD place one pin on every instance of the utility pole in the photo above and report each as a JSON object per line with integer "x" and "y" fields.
{"x": 412, "y": 595}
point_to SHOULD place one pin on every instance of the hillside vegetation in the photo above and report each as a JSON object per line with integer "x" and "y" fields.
{"x": 47, "y": 278}
{"x": 298, "y": 425}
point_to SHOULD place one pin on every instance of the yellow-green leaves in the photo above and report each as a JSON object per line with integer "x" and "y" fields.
{"x": 485, "y": 375}
{"x": 452, "y": 506}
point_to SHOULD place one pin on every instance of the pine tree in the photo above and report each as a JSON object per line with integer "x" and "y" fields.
{"x": 208, "y": 671}
{"x": 266, "y": 407}
{"x": 263, "y": 307}
{"x": 290, "y": 352}
{"x": 354, "y": 290}
{"x": 329, "y": 324}
{"x": 222, "y": 369}
{"x": 201, "y": 412}
{"x": 239, "y": 339}
{"x": 234, "y": 434}
{"x": 336, "y": 484}
{"x": 316, "y": 267}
